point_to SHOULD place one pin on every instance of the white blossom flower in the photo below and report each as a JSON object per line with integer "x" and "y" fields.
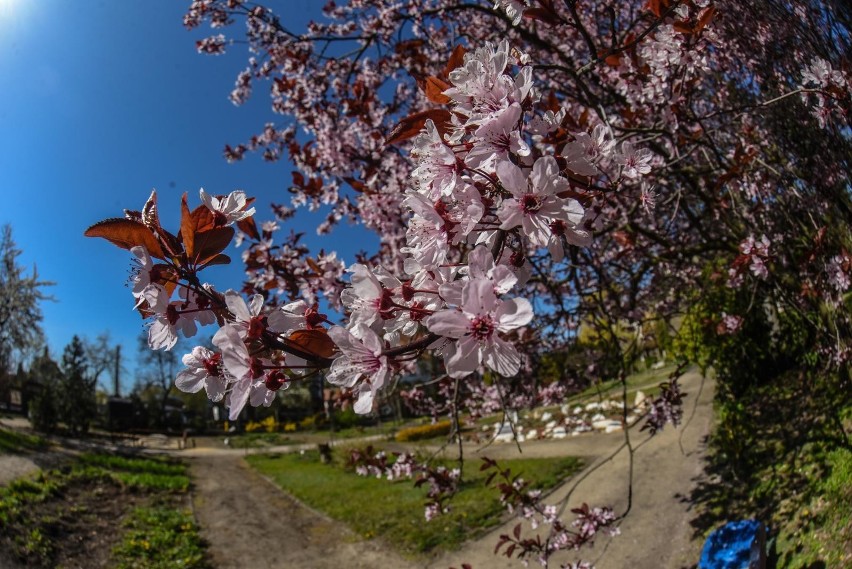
{"x": 227, "y": 209}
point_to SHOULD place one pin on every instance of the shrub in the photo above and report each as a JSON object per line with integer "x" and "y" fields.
{"x": 439, "y": 429}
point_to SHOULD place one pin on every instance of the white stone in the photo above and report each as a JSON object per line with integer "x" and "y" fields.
{"x": 598, "y": 417}
{"x": 547, "y": 416}
{"x": 639, "y": 400}
{"x": 550, "y": 425}
{"x": 606, "y": 425}
{"x": 593, "y": 406}
{"x": 577, "y": 410}
{"x": 532, "y": 434}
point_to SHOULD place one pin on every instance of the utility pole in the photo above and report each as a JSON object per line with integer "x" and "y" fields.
{"x": 116, "y": 376}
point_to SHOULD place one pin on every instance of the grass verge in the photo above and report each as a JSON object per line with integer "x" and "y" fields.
{"x": 14, "y": 442}
{"x": 393, "y": 511}
{"x": 780, "y": 454}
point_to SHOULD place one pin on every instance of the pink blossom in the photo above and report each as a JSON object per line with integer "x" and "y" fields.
{"x": 534, "y": 204}
{"x": 360, "y": 359}
{"x": 227, "y": 209}
{"x": 635, "y": 162}
{"x": 203, "y": 370}
{"x": 475, "y": 325}
{"x": 243, "y": 370}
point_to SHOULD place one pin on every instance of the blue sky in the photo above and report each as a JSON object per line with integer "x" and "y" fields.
{"x": 100, "y": 103}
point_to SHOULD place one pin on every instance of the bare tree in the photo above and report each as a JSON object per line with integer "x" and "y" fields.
{"x": 20, "y": 315}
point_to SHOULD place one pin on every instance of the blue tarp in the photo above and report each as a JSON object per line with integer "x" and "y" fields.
{"x": 735, "y": 545}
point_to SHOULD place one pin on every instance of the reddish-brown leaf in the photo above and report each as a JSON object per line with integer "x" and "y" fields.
{"x": 218, "y": 260}
{"x": 356, "y": 185}
{"x": 410, "y": 126}
{"x": 683, "y": 27}
{"x": 409, "y": 46}
{"x": 542, "y": 15}
{"x": 704, "y": 18}
{"x": 314, "y": 341}
{"x": 187, "y": 227}
{"x": 434, "y": 89}
{"x": 313, "y": 265}
{"x": 657, "y": 7}
{"x": 208, "y": 244}
{"x": 613, "y": 60}
{"x": 456, "y": 60}
{"x": 126, "y": 234}
{"x": 249, "y": 227}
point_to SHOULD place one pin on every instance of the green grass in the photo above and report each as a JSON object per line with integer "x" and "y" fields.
{"x": 13, "y": 442}
{"x": 145, "y": 473}
{"x": 394, "y": 511}
{"x": 262, "y": 440}
{"x": 159, "y": 537}
{"x": 822, "y": 531}
{"x": 646, "y": 381}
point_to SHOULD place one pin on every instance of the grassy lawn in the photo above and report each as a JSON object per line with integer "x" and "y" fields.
{"x": 263, "y": 440}
{"x": 13, "y": 442}
{"x": 393, "y": 511}
{"x": 647, "y": 381}
{"x": 102, "y": 511}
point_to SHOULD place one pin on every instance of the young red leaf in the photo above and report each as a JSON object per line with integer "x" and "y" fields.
{"x": 542, "y": 15}
{"x": 410, "y": 126}
{"x": 704, "y": 18}
{"x": 683, "y": 27}
{"x": 126, "y": 234}
{"x": 210, "y": 243}
{"x": 315, "y": 341}
{"x": 203, "y": 219}
{"x": 219, "y": 259}
{"x": 456, "y": 60}
{"x": 187, "y": 227}
{"x": 313, "y": 265}
{"x": 434, "y": 89}
{"x": 249, "y": 227}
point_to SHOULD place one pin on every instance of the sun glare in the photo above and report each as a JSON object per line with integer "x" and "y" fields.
{"x": 9, "y": 9}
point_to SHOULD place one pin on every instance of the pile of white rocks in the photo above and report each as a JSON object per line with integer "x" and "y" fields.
{"x": 604, "y": 416}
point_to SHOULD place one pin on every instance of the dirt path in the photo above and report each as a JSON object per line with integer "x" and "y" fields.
{"x": 656, "y": 534}
{"x": 250, "y": 523}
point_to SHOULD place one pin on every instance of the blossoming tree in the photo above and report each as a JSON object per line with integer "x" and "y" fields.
{"x": 528, "y": 165}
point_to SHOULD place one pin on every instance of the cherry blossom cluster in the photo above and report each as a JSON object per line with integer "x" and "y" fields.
{"x": 667, "y": 407}
{"x": 527, "y": 504}
{"x": 754, "y": 253}
{"x": 826, "y": 89}
{"x": 369, "y": 462}
{"x": 442, "y": 481}
{"x": 483, "y": 200}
